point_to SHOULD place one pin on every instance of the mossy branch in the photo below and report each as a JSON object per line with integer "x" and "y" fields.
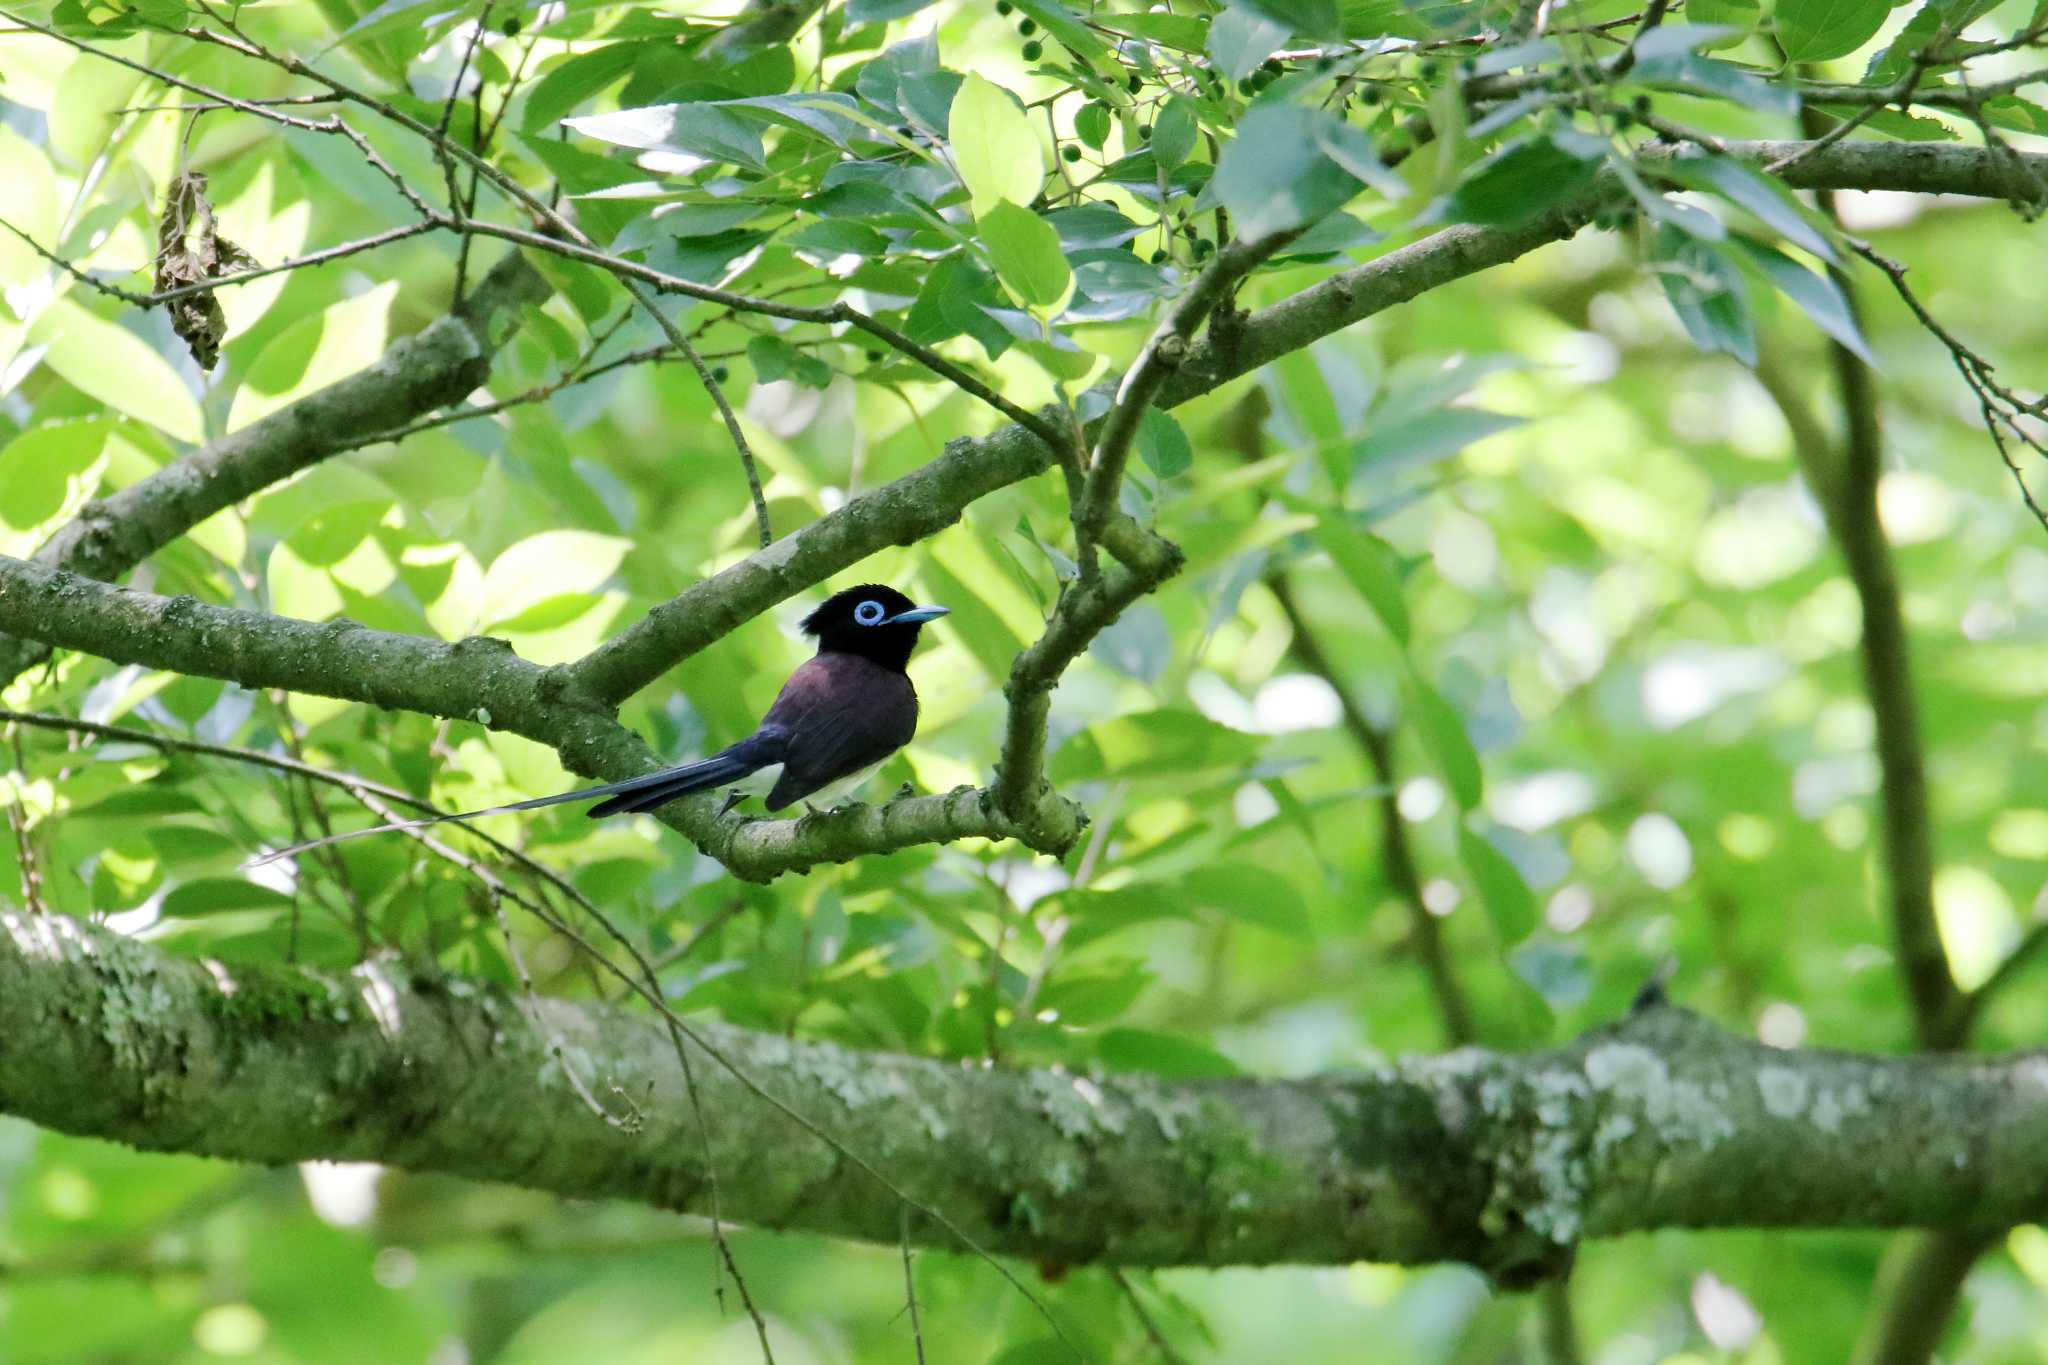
{"x": 1504, "y": 1161}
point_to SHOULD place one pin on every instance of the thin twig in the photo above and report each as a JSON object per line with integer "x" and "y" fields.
{"x": 1145, "y": 1320}
{"x": 315, "y": 258}
{"x": 910, "y": 1291}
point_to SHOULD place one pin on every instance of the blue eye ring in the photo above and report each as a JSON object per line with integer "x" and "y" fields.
{"x": 869, "y": 613}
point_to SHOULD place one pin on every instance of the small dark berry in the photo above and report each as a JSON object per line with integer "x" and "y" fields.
{"x": 1325, "y": 63}
{"x": 873, "y": 356}
{"x": 1135, "y": 83}
{"x": 1369, "y": 96}
{"x": 510, "y": 28}
{"x": 1204, "y": 247}
{"x": 1027, "y": 27}
{"x": 1271, "y": 67}
{"x": 1144, "y": 132}
{"x": 1427, "y": 70}
{"x": 1070, "y": 153}
{"x": 1244, "y": 87}
{"x": 1004, "y": 6}
{"x": 1159, "y": 258}
{"x": 1033, "y": 51}
{"x": 720, "y": 374}
{"x": 1642, "y": 104}
{"x": 1622, "y": 120}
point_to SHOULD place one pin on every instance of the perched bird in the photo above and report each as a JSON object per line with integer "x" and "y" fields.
{"x": 842, "y": 712}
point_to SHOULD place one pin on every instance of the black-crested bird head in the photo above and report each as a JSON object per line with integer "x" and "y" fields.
{"x": 873, "y": 621}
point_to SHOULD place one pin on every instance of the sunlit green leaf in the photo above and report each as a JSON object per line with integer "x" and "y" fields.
{"x": 118, "y": 368}
{"x": 995, "y": 149}
{"x": 1027, "y": 256}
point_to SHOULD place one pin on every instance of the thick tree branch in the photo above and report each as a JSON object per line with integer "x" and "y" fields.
{"x": 429, "y": 370}
{"x": 1504, "y": 1161}
{"x": 481, "y": 680}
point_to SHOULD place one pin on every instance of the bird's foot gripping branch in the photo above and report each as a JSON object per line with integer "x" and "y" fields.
{"x": 1505, "y": 1161}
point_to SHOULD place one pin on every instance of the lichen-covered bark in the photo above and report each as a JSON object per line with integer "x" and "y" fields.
{"x": 481, "y": 679}
{"x": 1504, "y": 1161}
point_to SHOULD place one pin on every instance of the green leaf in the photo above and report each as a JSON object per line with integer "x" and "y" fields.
{"x": 1152, "y": 743}
{"x": 1173, "y": 133}
{"x": 1025, "y": 250}
{"x": 1372, "y": 567}
{"x": 31, "y": 206}
{"x": 548, "y": 565}
{"x": 1091, "y": 124}
{"x": 1817, "y": 295}
{"x": 1425, "y": 438}
{"x": 112, "y": 364}
{"x": 1705, "y": 290}
{"x": 1063, "y": 24}
{"x": 211, "y": 895}
{"x": 1758, "y": 194}
{"x": 1162, "y": 1054}
{"x": 700, "y": 130}
{"x": 1163, "y": 445}
{"x": 1819, "y": 30}
{"x": 838, "y": 237}
{"x": 882, "y": 11}
{"x": 1921, "y": 33}
{"x": 1520, "y": 181}
{"x": 333, "y": 553}
{"x": 46, "y": 474}
{"x": 1509, "y": 902}
{"x": 1444, "y": 734}
{"x": 1710, "y": 78}
{"x": 1740, "y": 17}
{"x": 1169, "y": 30}
{"x": 314, "y": 352}
{"x": 1274, "y": 174}
{"x": 1241, "y": 39}
{"x": 1309, "y": 18}
{"x": 569, "y": 84}
{"x": 994, "y": 147}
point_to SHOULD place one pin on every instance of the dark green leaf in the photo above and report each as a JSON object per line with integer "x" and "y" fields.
{"x": 1816, "y": 295}
{"x": 882, "y": 11}
{"x": 211, "y": 895}
{"x": 1310, "y": 18}
{"x": 1151, "y": 743}
{"x": 565, "y": 86}
{"x": 1163, "y": 445}
{"x": 1274, "y": 174}
{"x": 1170, "y": 30}
{"x": 1521, "y": 181}
{"x": 1163, "y": 1054}
{"x": 1761, "y": 196}
{"x": 838, "y": 236}
{"x": 1173, "y": 133}
{"x": 1240, "y": 39}
{"x": 1509, "y": 902}
{"x": 1705, "y": 290}
{"x": 1444, "y": 734}
{"x": 1066, "y": 26}
{"x": 1424, "y": 439}
{"x": 700, "y": 130}
{"x": 1820, "y": 30}
{"x": 1371, "y": 566}
{"x": 1091, "y": 125}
